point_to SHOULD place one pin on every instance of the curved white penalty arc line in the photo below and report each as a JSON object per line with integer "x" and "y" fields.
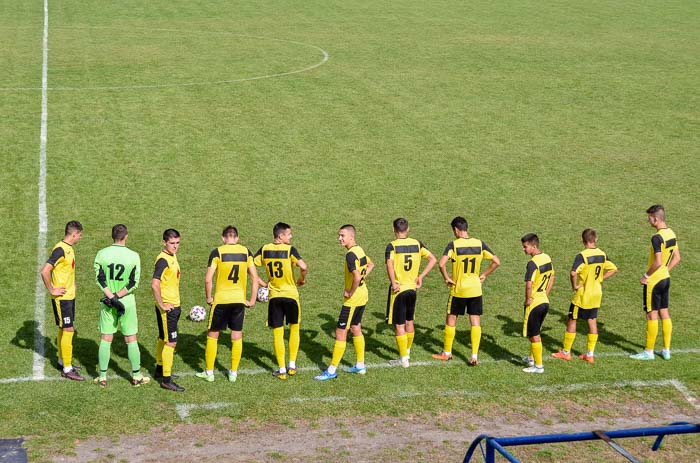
{"x": 326, "y": 57}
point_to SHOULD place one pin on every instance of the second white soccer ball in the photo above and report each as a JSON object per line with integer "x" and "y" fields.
{"x": 198, "y": 313}
{"x": 263, "y": 294}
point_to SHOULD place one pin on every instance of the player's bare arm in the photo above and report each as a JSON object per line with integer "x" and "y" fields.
{"x": 208, "y": 282}
{"x": 392, "y": 276}
{"x": 253, "y": 273}
{"x": 46, "y": 278}
{"x": 155, "y": 286}
{"x": 303, "y": 270}
{"x": 356, "y": 279}
{"x": 495, "y": 263}
{"x": 442, "y": 265}
{"x": 432, "y": 260}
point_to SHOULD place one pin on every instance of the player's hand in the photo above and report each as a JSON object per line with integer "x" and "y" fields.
{"x": 250, "y": 303}
{"x": 396, "y": 287}
{"x": 449, "y": 282}
{"x": 60, "y": 291}
{"x": 168, "y": 307}
{"x": 419, "y": 282}
{"x": 346, "y": 293}
{"x": 117, "y": 304}
{"x": 482, "y": 278}
{"x": 644, "y": 280}
{"x": 300, "y": 282}
{"x": 210, "y": 300}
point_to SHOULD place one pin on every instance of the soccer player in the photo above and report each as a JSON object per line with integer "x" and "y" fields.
{"x": 591, "y": 267}
{"x": 118, "y": 270}
{"x": 58, "y": 275}
{"x": 357, "y": 266}
{"x": 279, "y": 259}
{"x": 539, "y": 279}
{"x": 465, "y": 280}
{"x": 166, "y": 291}
{"x": 656, "y": 282}
{"x": 232, "y": 263}
{"x": 403, "y": 256}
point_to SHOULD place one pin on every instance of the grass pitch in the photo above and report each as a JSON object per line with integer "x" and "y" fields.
{"x": 523, "y": 117}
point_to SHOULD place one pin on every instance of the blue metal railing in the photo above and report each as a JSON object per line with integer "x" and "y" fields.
{"x": 490, "y": 445}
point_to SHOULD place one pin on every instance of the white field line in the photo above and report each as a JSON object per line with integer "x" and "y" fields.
{"x": 370, "y": 366}
{"x": 39, "y": 296}
{"x": 678, "y": 385}
{"x": 184, "y": 410}
{"x": 323, "y": 61}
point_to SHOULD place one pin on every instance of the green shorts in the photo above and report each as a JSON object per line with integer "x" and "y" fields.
{"x": 127, "y": 323}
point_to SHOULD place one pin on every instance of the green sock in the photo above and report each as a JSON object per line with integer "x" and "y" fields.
{"x": 103, "y": 356}
{"x": 134, "y": 355}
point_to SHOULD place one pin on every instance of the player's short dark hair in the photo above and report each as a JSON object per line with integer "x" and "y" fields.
{"x": 589, "y": 235}
{"x": 460, "y": 223}
{"x": 658, "y": 211}
{"x": 348, "y": 226}
{"x": 170, "y": 233}
{"x": 119, "y": 232}
{"x": 532, "y": 239}
{"x": 73, "y": 226}
{"x": 230, "y": 231}
{"x": 279, "y": 228}
{"x": 400, "y": 225}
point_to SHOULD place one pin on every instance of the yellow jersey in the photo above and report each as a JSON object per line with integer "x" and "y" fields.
{"x": 356, "y": 259}
{"x": 665, "y": 242}
{"x": 62, "y": 259}
{"x": 405, "y": 255}
{"x": 279, "y": 261}
{"x": 590, "y": 265}
{"x": 540, "y": 271}
{"x": 466, "y": 255}
{"x": 167, "y": 270}
{"x": 231, "y": 262}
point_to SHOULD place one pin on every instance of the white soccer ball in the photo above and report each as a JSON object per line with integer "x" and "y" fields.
{"x": 198, "y": 313}
{"x": 263, "y": 294}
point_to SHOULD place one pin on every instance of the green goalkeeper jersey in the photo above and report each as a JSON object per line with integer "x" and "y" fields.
{"x": 118, "y": 267}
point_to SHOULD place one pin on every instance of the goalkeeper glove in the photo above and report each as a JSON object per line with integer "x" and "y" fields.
{"x": 117, "y": 304}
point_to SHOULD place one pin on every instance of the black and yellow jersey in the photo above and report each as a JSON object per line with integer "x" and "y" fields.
{"x": 356, "y": 259}
{"x": 167, "y": 270}
{"x": 466, "y": 255}
{"x": 279, "y": 261}
{"x": 590, "y": 265}
{"x": 665, "y": 242}
{"x": 539, "y": 271}
{"x": 231, "y": 262}
{"x": 405, "y": 255}
{"x": 62, "y": 259}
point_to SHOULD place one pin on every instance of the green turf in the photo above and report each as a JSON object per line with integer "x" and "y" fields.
{"x": 523, "y": 116}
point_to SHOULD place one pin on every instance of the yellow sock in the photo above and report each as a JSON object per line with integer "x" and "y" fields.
{"x": 409, "y": 339}
{"x": 449, "y": 338}
{"x": 236, "y": 353}
{"x": 293, "y": 342}
{"x": 59, "y": 337}
{"x": 67, "y": 348}
{"x": 568, "y": 340}
{"x": 168, "y": 357}
{"x": 401, "y": 341}
{"x": 338, "y": 351}
{"x": 278, "y": 343}
{"x": 667, "y": 329}
{"x": 476, "y": 339}
{"x": 592, "y": 340}
{"x": 537, "y": 353}
{"x": 159, "y": 351}
{"x": 210, "y": 353}
{"x": 359, "y": 343}
{"x": 652, "y": 333}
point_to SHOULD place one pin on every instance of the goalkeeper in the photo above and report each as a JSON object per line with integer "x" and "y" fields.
{"x": 118, "y": 269}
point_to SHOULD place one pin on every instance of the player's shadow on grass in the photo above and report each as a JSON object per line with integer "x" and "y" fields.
{"x": 605, "y": 337}
{"x": 514, "y": 328}
{"x": 189, "y": 350}
{"x": 119, "y": 349}
{"x": 317, "y": 352}
{"x": 427, "y": 341}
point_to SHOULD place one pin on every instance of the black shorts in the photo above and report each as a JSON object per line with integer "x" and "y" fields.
{"x": 535, "y": 319}
{"x": 64, "y": 312}
{"x": 576, "y": 312}
{"x": 280, "y": 309}
{"x": 400, "y": 307}
{"x": 167, "y": 323}
{"x": 462, "y": 305}
{"x": 657, "y": 298}
{"x": 353, "y": 314}
{"x": 227, "y": 315}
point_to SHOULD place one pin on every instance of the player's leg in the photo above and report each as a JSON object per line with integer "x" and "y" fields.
{"x": 275, "y": 320}
{"x": 160, "y": 342}
{"x": 236, "y": 326}
{"x": 341, "y": 334}
{"x": 454, "y": 309}
{"x": 666, "y": 324}
{"x": 108, "y": 326}
{"x": 172, "y": 318}
{"x": 651, "y": 307}
{"x": 569, "y": 334}
{"x": 218, "y": 317}
{"x": 358, "y": 341}
{"x": 66, "y": 312}
{"x": 293, "y": 317}
{"x": 128, "y": 323}
{"x": 534, "y": 325}
{"x": 410, "y": 329}
{"x": 475, "y": 308}
{"x": 591, "y": 338}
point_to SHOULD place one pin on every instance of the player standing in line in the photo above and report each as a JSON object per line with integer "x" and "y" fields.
{"x": 117, "y": 271}
{"x": 402, "y": 257}
{"x": 279, "y": 259}
{"x": 357, "y": 267}
{"x": 166, "y": 291}
{"x": 232, "y": 263}
{"x": 539, "y": 279}
{"x": 656, "y": 282}
{"x": 591, "y": 267}
{"x": 465, "y": 283}
{"x": 58, "y": 275}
